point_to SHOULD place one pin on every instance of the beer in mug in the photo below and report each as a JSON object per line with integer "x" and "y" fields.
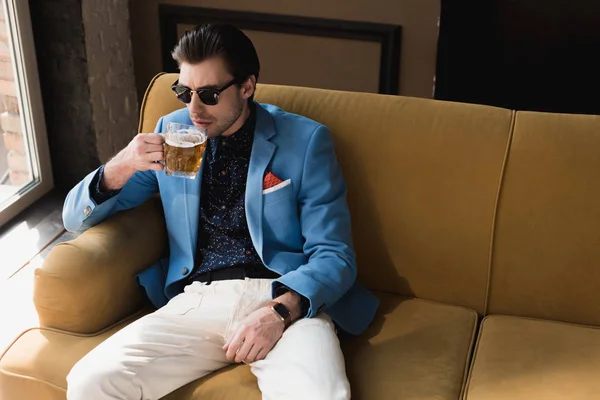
{"x": 184, "y": 147}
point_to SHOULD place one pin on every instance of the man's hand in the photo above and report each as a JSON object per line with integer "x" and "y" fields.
{"x": 260, "y": 331}
{"x": 255, "y": 337}
{"x": 140, "y": 154}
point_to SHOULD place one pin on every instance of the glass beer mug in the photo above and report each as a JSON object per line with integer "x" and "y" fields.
{"x": 184, "y": 147}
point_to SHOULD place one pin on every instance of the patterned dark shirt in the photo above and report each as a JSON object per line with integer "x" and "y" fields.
{"x": 223, "y": 236}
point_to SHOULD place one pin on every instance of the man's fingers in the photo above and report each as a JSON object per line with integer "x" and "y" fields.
{"x": 243, "y": 352}
{"x": 151, "y": 148}
{"x": 251, "y": 357}
{"x": 266, "y": 349}
{"x": 234, "y": 345}
{"x": 156, "y": 167}
{"x": 154, "y": 156}
{"x": 153, "y": 138}
{"x": 261, "y": 354}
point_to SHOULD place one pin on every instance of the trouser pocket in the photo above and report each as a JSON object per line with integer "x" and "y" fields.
{"x": 182, "y": 304}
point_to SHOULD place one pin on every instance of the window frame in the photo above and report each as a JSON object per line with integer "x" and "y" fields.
{"x": 31, "y": 110}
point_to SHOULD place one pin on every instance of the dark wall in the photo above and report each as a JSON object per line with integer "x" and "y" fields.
{"x": 60, "y": 47}
{"x": 418, "y": 19}
{"x": 521, "y": 54}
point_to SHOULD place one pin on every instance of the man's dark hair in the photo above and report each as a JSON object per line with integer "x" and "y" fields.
{"x": 219, "y": 40}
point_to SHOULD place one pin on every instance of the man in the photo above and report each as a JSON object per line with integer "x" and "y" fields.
{"x": 253, "y": 275}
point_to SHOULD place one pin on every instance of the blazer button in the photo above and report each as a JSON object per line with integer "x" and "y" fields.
{"x": 184, "y": 271}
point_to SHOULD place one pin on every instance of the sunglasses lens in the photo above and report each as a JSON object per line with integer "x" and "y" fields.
{"x": 185, "y": 97}
{"x": 183, "y": 94}
{"x": 209, "y": 97}
{"x": 206, "y": 96}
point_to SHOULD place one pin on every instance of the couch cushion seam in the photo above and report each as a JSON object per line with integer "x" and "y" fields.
{"x": 2, "y": 370}
{"x": 549, "y": 321}
{"x": 496, "y": 209}
{"x": 472, "y": 364}
{"x": 467, "y": 363}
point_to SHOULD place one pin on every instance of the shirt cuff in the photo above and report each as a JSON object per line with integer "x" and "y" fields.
{"x": 96, "y": 193}
{"x": 304, "y": 302}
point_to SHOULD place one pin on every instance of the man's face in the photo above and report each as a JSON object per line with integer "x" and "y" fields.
{"x": 226, "y": 117}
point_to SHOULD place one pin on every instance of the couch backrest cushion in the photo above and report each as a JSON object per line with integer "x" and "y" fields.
{"x": 159, "y": 100}
{"x": 422, "y": 177}
{"x": 546, "y": 258}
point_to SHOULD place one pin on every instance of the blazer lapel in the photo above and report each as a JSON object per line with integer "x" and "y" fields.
{"x": 192, "y": 190}
{"x": 184, "y": 203}
{"x": 187, "y": 205}
{"x": 262, "y": 152}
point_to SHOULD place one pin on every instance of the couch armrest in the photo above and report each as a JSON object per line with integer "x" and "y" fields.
{"x": 87, "y": 284}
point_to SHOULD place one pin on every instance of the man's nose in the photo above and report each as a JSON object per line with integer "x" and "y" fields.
{"x": 196, "y": 106}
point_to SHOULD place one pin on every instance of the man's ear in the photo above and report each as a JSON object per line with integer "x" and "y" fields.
{"x": 248, "y": 87}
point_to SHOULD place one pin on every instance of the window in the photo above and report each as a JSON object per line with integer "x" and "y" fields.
{"x": 25, "y": 171}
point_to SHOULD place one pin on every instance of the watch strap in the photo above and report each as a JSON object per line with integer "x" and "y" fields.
{"x": 282, "y": 311}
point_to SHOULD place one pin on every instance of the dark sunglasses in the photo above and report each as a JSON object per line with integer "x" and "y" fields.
{"x": 208, "y": 96}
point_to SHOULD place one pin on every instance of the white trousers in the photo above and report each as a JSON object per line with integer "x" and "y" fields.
{"x": 183, "y": 341}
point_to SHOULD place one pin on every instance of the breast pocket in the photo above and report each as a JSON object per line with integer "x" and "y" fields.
{"x": 271, "y": 196}
{"x": 280, "y": 212}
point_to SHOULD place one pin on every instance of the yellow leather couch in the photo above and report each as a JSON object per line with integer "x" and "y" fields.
{"x": 477, "y": 227}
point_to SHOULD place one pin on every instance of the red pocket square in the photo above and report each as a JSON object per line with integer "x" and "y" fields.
{"x": 270, "y": 181}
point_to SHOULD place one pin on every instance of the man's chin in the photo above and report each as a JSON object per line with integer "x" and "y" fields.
{"x": 209, "y": 129}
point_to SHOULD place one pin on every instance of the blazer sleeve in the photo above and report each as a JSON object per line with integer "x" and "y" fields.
{"x": 325, "y": 222}
{"x": 81, "y": 212}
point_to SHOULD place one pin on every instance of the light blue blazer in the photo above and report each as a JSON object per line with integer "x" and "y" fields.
{"x": 301, "y": 231}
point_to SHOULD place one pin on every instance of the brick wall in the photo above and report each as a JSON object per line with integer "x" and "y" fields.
{"x": 110, "y": 74}
{"x": 86, "y": 75}
{"x": 14, "y": 164}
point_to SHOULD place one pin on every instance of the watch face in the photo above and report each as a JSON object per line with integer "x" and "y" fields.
{"x": 282, "y": 310}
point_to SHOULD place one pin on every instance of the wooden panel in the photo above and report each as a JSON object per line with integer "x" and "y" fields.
{"x": 308, "y": 33}
{"x": 328, "y": 63}
{"x": 418, "y": 18}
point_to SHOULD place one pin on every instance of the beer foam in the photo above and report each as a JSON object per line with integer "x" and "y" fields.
{"x": 184, "y": 139}
{"x": 181, "y": 143}
{"x": 186, "y": 132}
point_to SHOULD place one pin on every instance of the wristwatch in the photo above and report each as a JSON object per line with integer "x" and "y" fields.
{"x": 304, "y": 302}
{"x": 282, "y": 311}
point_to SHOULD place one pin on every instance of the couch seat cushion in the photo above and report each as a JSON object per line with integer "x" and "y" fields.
{"x": 520, "y": 358}
{"x": 414, "y": 349}
{"x": 36, "y": 364}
